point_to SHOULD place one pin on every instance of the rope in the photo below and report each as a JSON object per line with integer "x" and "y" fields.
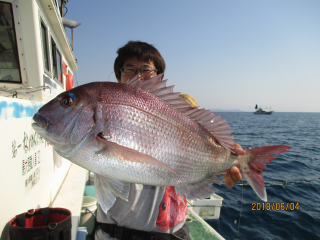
{"x": 240, "y": 214}
{"x": 281, "y": 184}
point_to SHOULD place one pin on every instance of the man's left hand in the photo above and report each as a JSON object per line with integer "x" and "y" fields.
{"x": 233, "y": 175}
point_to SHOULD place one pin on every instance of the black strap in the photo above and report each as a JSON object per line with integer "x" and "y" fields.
{"x": 38, "y": 238}
{"x": 46, "y": 215}
{"x": 124, "y": 233}
{"x": 21, "y": 218}
{"x": 66, "y": 233}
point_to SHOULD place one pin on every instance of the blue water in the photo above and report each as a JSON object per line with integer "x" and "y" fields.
{"x": 302, "y": 132}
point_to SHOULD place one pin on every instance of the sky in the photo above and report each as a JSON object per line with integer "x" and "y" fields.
{"x": 226, "y": 54}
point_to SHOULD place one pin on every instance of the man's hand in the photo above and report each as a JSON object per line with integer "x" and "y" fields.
{"x": 233, "y": 175}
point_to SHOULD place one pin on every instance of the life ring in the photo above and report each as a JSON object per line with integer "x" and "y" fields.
{"x": 69, "y": 83}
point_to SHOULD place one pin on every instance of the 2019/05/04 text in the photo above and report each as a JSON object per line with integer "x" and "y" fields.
{"x": 268, "y": 206}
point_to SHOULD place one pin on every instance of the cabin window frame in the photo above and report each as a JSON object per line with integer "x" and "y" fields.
{"x": 54, "y": 52}
{"x": 47, "y": 37}
{"x": 16, "y": 50}
{"x": 59, "y": 6}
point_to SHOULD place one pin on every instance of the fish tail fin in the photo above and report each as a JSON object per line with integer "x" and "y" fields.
{"x": 251, "y": 166}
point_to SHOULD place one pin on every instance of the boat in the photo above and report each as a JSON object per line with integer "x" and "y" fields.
{"x": 36, "y": 64}
{"x": 262, "y": 111}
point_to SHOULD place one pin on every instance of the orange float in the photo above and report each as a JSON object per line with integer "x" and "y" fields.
{"x": 69, "y": 83}
{"x": 64, "y": 68}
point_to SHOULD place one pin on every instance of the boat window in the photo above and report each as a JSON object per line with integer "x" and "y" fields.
{"x": 56, "y": 62}
{"x": 44, "y": 40}
{"x": 59, "y": 6}
{"x": 59, "y": 66}
{"x": 9, "y": 60}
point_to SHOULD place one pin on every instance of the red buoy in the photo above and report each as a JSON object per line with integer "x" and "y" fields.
{"x": 69, "y": 83}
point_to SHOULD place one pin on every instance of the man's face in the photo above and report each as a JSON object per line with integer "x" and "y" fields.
{"x": 135, "y": 63}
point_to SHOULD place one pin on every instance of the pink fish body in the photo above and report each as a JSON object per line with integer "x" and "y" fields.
{"x": 142, "y": 132}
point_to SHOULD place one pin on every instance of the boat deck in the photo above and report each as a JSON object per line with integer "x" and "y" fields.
{"x": 200, "y": 229}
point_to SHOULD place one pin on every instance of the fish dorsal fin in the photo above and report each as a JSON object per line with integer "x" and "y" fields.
{"x": 217, "y": 126}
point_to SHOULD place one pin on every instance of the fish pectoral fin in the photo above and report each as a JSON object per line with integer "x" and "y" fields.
{"x": 201, "y": 190}
{"x": 129, "y": 154}
{"x": 108, "y": 189}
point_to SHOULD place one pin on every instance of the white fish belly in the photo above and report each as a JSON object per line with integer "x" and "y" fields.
{"x": 179, "y": 143}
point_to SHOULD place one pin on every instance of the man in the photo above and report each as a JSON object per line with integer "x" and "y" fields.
{"x": 151, "y": 212}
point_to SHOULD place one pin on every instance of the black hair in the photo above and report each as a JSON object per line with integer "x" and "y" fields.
{"x": 140, "y": 50}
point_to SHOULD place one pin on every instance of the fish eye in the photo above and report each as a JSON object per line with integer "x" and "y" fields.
{"x": 67, "y": 101}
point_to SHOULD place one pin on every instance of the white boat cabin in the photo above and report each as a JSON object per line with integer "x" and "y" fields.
{"x": 34, "y": 53}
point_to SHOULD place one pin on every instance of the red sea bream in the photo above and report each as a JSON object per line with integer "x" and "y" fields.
{"x": 142, "y": 132}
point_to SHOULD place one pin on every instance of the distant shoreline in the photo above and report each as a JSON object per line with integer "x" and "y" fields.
{"x": 226, "y": 110}
{"x": 240, "y": 111}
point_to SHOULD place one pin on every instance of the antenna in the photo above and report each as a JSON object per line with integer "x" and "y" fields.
{"x": 70, "y": 24}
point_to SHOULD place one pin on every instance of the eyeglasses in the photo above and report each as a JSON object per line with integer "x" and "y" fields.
{"x": 131, "y": 71}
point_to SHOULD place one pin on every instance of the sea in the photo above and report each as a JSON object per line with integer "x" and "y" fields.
{"x": 296, "y": 207}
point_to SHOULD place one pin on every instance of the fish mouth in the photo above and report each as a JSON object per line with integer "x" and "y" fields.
{"x": 40, "y": 121}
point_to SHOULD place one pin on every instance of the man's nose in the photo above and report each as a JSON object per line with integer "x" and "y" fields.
{"x": 139, "y": 72}
{"x": 139, "y": 75}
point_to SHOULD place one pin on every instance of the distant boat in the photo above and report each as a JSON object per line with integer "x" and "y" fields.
{"x": 262, "y": 111}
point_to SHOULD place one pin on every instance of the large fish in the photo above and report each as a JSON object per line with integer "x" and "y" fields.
{"x": 142, "y": 132}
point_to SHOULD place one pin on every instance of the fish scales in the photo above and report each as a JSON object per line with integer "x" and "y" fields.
{"x": 125, "y": 134}
{"x": 143, "y": 122}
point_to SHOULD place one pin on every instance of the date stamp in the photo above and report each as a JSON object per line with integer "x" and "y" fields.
{"x": 275, "y": 206}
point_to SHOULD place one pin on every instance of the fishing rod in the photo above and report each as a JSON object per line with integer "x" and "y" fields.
{"x": 280, "y": 184}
